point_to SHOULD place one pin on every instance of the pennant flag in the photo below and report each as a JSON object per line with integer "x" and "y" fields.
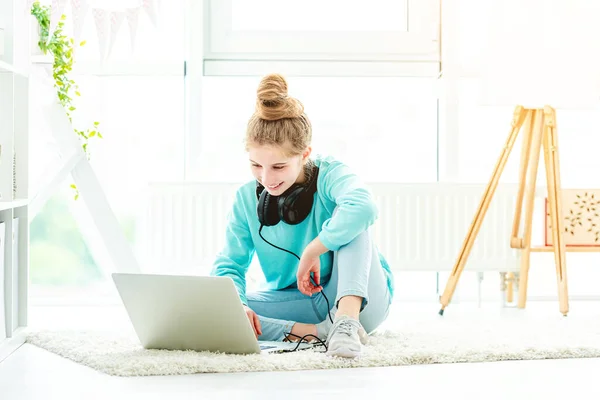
{"x": 102, "y": 22}
{"x": 79, "y": 9}
{"x": 57, "y": 9}
{"x": 132, "y": 15}
{"x": 27, "y": 5}
{"x": 116, "y": 19}
{"x": 151, "y": 8}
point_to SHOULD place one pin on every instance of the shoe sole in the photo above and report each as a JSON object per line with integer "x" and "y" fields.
{"x": 344, "y": 353}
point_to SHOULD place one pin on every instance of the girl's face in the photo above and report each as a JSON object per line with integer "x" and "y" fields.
{"x": 276, "y": 171}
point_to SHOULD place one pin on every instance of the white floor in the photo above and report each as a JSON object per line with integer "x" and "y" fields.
{"x": 33, "y": 373}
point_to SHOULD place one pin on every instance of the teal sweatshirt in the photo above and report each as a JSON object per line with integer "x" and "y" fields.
{"x": 337, "y": 186}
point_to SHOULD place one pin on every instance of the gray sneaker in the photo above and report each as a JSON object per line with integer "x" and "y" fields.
{"x": 346, "y": 338}
{"x": 324, "y": 327}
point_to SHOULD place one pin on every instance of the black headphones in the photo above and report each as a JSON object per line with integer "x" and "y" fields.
{"x": 292, "y": 206}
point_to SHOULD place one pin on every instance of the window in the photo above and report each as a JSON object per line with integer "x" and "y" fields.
{"x": 138, "y": 99}
{"x": 385, "y": 128}
{"x": 62, "y": 263}
{"x": 475, "y": 139}
{"x": 272, "y": 15}
{"x": 142, "y": 142}
{"x": 483, "y": 131}
{"x": 374, "y": 36}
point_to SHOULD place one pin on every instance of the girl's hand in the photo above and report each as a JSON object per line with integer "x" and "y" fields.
{"x": 254, "y": 321}
{"x": 308, "y": 264}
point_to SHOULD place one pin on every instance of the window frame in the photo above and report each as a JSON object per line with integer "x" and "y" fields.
{"x": 415, "y": 52}
{"x": 167, "y": 68}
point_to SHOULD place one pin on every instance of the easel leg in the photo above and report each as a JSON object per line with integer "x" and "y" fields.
{"x": 510, "y": 277}
{"x": 536, "y": 146}
{"x": 555, "y": 206}
{"x": 515, "y": 241}
{"x": 518, "y": 118}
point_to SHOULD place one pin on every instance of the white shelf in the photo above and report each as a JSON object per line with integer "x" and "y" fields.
{"x": 9, "y": 345}
{"x": 8, "y": 205}
{"x": 14, "y": 174}
{"x": 41, "y": 59}
{"x": 1, "y": 41}
{"x": 7, "y": 67}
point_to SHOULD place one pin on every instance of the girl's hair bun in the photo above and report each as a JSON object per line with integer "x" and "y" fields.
{"x": 273, "y": 102}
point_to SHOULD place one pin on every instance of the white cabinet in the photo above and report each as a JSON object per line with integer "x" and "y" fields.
{"x": 3, "y": 316}
{"x": 14, "y": 153}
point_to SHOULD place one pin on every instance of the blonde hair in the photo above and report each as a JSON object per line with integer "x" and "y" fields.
{"x": 278, "y": 119}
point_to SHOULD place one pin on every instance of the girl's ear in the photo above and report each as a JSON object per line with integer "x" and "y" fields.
{"x": 306, "y": 154}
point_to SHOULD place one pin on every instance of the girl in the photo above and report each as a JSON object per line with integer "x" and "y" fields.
{"x": 307, "y": 220}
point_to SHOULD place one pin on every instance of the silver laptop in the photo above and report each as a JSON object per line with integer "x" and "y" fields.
{"x": 176, "y": 312}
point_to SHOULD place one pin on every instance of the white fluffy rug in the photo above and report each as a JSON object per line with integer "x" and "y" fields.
{"x": 430, "y": 341}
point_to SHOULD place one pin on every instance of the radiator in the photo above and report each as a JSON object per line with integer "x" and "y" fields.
{"x": 420, "y": 227}
{"x": 185, "y": 225}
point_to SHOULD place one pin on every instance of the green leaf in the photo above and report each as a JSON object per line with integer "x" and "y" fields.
{"x": 73, "y": 186}
{"x": 76, "y": 196}
{"x": 61, "y": 46}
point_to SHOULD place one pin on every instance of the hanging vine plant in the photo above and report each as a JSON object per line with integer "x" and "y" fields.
{"x": 61, "y": 48}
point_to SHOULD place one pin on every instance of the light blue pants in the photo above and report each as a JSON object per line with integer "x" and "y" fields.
{"x": 356, "y": 271}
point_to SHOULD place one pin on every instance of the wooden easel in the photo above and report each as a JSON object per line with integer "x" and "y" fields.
{"x": 539, "y": 130}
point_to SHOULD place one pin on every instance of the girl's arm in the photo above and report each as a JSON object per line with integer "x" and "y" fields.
{"x": 235, "y": 257}
{"x": 355, "y": 212}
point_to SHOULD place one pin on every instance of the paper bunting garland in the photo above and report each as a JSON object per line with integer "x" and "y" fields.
{"x": 108, "y": 17}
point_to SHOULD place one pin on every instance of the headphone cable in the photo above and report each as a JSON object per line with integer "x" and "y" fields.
{"x": 295, "y": 255}
{"x": 302, "y": 339}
